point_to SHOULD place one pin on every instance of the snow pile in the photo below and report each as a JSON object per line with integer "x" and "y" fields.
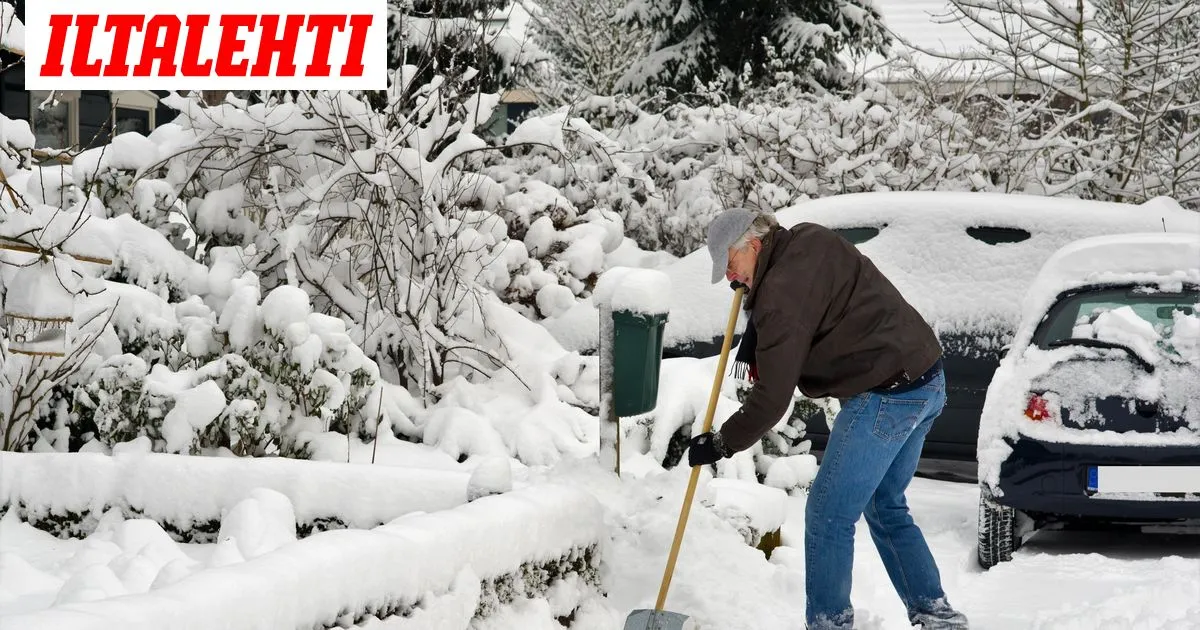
{"x": 262, "y": 522}
{"x": 1185, "y": 335}
{"x": 12, "y": 32}
{"x": 1073, "y": 375}
{"x": 719, "y": 581}
{"x": 121, "y": 557}
{"x": 922, "y": 242}
{"x": 128, "y": 556}
{"x": 1123, "y": 326}
{"x": 492, "y": 476}
{"x": 189, "y": 494}
{"x": 645, "y": 291}
{"x": 756, "y": 509}
{"x": 419, "y": 571}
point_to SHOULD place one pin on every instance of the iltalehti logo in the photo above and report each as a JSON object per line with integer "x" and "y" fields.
{"x": 216, "y": 44}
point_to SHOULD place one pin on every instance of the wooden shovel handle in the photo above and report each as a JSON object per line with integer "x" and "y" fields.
{"x": 695, "y": 478}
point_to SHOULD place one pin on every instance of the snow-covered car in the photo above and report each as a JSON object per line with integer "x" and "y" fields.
{"x": 964, "y": 260}
{"x": 1094, "y": 414}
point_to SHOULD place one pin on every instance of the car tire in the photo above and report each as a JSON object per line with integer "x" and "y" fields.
{"x": 998, "y": 531}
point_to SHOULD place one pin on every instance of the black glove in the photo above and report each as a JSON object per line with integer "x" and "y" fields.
{"x": 706, "y": 448}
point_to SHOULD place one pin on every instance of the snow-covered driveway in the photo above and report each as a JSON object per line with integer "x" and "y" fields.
{"x": 1058, "y": 581}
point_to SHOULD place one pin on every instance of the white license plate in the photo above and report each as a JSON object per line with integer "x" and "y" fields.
{"x": 1158, "y": 479}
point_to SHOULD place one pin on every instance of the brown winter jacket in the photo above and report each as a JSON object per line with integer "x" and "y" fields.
{"x": 828, "y": 322}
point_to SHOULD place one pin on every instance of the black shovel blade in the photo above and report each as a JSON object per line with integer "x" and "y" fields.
{"x": 644, "y": 619}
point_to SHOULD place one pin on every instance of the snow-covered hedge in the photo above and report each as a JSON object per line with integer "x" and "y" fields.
{"x": 420, "y": 571}
{"x": 67, "y": 493}
{"x": 667, "y": 173}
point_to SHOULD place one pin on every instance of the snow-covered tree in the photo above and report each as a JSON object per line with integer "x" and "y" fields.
{"x": 374, "y": 211}
{"x": 448, "y": 37}
{"x": 590, "y": 47}
{"x": 716, "y": 41}
{"x": 12, "y": 31}
{"x": 1109, "y": 103}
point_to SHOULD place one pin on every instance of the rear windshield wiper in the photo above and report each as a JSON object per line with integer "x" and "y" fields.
{"x": 1097, "y": 343}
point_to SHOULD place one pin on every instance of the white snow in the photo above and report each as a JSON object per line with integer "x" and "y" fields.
{"x": 38, "y": 291}
{"x": 644, "y": 291}
{"x": 491, "y": 476}
{"x": 315, "y": 581}
{"x": 264, "y": 521}
{"x": 283, "y": 307}
{"x": 15, "y": 133}
{"x": 127, "y": 151}
{"x": 504, "y": 470}
{"x": 1068, "y": 580}
{"x": 763, "y": 507}
{"x": 792, "y": 471}
{"x": 194, "y": 409}
{"x": 1124, "y": 326}
{"x": 187, "y": 489}
{"x": 12, "y": 34}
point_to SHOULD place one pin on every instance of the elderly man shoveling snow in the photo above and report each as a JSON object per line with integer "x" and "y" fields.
{"x": 823, "y": 318}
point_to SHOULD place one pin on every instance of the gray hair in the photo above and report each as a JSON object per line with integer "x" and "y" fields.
{"x": 762, "y": 225}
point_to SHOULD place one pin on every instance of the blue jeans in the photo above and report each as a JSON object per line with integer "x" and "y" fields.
{"x": 871, "y": 457}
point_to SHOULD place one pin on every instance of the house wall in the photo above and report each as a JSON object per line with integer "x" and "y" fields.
{"x": 77, "y": 118}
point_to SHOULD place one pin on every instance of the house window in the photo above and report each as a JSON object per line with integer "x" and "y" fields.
{"x": 51, "y": 119}
{"x": 14, "y": 100}
{"x": 135, "y": 110}
{"x": 132, "y": 119}
{"x": 95, "y": 112}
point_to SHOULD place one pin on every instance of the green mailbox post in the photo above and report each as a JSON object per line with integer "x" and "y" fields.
{"x": 633, "y": 306}
{"x": 637, "y": 356}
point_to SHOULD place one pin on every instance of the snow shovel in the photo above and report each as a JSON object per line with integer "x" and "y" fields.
{"x": 658, "y": 618}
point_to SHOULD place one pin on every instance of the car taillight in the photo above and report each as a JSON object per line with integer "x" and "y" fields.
{"x": 1038, "y": 409}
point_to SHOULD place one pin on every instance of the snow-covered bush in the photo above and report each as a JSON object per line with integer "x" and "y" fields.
{"x": 264, "y": 375}
{"x": 380, "y": 213}
{"x": 161, "y": 345}
{"x": 279, "y": 266}
{"x": 667, "y": 174}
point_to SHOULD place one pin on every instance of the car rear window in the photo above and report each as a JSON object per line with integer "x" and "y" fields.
{"x": 998, "y": 235}
{"x": 1124, "y": 315}
{"x": 857, "y": 235}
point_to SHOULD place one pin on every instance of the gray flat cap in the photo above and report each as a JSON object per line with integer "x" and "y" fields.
{"x": 726, "y": 228}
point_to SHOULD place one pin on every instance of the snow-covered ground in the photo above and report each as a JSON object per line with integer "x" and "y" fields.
{"x": 1077, "y": 580}
{"x": 1057, "y": 581}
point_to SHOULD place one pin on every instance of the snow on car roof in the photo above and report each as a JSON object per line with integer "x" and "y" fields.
{"x": 1117, "y": 259}
{"x": 956, "y": 281}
